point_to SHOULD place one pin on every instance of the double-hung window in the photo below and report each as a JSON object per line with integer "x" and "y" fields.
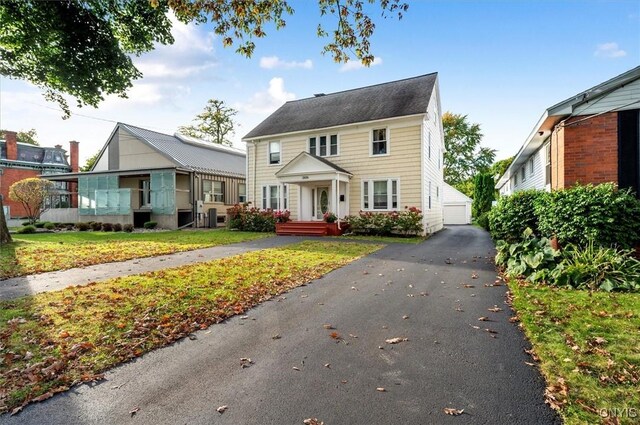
{"x": 271, "y": 197}
{"x": 531, "y": 166}
{"x": 274, "y": 153}
{"x": 379, "y": 142}
{"x": 523, "y": 173}
{"x": 242, "y": 192}
{"x": 548, "y": 164}
{"x": 380, "y": 194}
{"x": 324, "y": 145}
{"x": 213, "y": 191}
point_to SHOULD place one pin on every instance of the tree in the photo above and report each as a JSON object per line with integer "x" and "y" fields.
{"x": 88, "y": 165}
{"x": 83, "y": 48}
{"x": 483, "y": 194}
{"x": 5, "y": 236}
{"x": 28, "y": 136}
{"x": 464, "y": 157}
{"x": 500, "y": 167}
{"x": 31, "y": 193}
{"x": 215, "y": 124}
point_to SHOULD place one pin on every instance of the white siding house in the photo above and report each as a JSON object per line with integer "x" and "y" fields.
{"x": 376, "y": 148}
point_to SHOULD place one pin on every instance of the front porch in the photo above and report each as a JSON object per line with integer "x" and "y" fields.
{"x": 310, "y": 228}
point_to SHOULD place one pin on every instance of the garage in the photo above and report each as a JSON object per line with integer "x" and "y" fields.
{"x": 457, "y": 206}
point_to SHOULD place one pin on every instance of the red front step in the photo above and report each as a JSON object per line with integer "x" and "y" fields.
{"x": 302, "y": 228}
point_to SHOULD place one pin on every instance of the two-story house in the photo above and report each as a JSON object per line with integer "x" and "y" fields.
{"x": 377, "y": 148}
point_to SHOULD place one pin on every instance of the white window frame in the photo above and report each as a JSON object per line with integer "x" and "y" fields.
{"x": 282, "y": 202}
{"x": 211, "y": 196}
{"x": 242, "y": 198}
{"x": 369, "y": 184}
{"x": 387, "y": 141}
{"x": 523, "y": 173}
{"x": 328, "y": 139}
{"x": 429, "y": 138}
{"x": 531, "y": 166}
{"x": 269, "y": 152}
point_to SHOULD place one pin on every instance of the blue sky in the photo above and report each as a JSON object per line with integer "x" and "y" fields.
{"x": 499, "y": 62}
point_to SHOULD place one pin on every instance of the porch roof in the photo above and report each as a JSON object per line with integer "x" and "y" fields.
{"x": 307, "y": 167}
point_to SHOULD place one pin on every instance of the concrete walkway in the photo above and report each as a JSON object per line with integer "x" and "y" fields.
{"x": 52, "y": 281}
{"x": 432, "y": 294}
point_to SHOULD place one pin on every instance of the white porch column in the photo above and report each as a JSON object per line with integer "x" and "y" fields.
{"x": 334, "y": 190}
{"x": 299, "y": 202}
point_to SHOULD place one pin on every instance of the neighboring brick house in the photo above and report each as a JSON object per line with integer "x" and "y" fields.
{"x": 19, "y": 161}
{"x": 592, "y": 137}
{"x": 376, "y": 149}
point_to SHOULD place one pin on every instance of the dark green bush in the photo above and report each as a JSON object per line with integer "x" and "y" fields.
{"x": 117, "y": 227}
{"x": 484, "y": 189}
{"x": 95, "y": 225}
{"x": 128, "y": 228}
{"x": 81, "y": 226}
{"x": 26, "y": 223}
{"x": 603, "y": 214}
{"x": 107, "y": 227}
{"x": 483, "y": 221}
{"x": 515, "y": 213}
{"x": 49, "y": 226}
{"x": 39, "y": 224}
{"x": 150, "y": 224}
{"x": 69, "y": 227}
{"x": 26, "y": 229}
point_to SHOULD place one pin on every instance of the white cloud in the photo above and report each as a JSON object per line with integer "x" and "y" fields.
{"x": 265, "y": 102}
{"x": 163, "y": 70}
{"x": 273, "y": 62}
{"x": 609, "y": 50}
{"x": 353, "y": 65}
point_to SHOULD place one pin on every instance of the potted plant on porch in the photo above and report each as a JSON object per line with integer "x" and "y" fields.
{"x": 332, "y": 227}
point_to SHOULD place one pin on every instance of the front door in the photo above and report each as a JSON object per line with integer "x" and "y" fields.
{"x": 321, "y": 203}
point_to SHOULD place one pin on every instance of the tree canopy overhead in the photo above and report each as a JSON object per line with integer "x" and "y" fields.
{"x": 28, "y": 137}
{"x": 83, "y": 48}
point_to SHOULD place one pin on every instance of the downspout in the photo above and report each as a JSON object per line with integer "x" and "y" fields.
{"x": 255, "y": 164}
{"x": 193, "y": 199}
{"x": 338, "y": 200}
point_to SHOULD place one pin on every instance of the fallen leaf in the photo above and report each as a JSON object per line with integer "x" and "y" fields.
{"x": 327, "y": 326}
{"x": 468, "y": 286}
{"x": 221, "y": 409}
{"x": 474, "y": 276}
{"x": 296, "y": 368}
{"x": 353, "y": 336}
{"x": 491, "y": 331}
{"x": 245, "y": 362}
{"x": 312, "y": 421}
{"x": 395, "y": 340}
{"x": 134, "y": 410}
{"x": 328, "y": 365}
{"x": 484, "y": 319}
{"x": 381, "y": 389}
{"x": 405, "y": 317}
{"x": 494, "y": 309}
{"x": 276, "y": 336}
{"x": 453, "y": 412}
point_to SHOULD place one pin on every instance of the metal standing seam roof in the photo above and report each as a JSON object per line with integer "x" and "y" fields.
{"x": 388, "y": 100}
{"x": 196, "y": 156}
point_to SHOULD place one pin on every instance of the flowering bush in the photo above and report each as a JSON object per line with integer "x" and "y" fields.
{"x": 406, "y": 222}
{"x": 330, "y": 217}
{"x": 251, "y": 219}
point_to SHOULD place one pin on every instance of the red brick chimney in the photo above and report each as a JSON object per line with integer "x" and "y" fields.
{"x": 73, "y": 156}
{"x": 11, "y": 139}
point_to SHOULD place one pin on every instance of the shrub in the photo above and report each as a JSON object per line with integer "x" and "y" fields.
{"x": 128, "y": 228}
{"x": 39, "y": 224}
{"x": 69, "y": 227}
{"x": 407, "y": 222}
{"x": 49, "y": 226}
{"x": 26, "y": 223}
{"x": 532, "y": 257}
{"x": 117, "y": 227}
{"x": 241, "y": 217}
{"x": 107, "y": 227}
{"x": 515, "y": 213}
{"x": 282, "y": 216}
{"x": 82, "y": 227}
{"x": 150, "y": 224}
{"x": 329, "y": 217}
{"x": 483, "y": 194}
{"x": 598, "y": 268}
{"x": 26, "y": 229}
{"x": 95, "y": 226}
{"x": 483, "y": 221}
{"x": 602, "y": 214}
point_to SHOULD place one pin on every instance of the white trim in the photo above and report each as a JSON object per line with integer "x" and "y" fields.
{"x": 387, "y": 141}
{"x": 389, "y": 193}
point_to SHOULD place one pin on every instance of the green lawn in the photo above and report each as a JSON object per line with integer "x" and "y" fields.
{"x": 50, "y": 341}
{"x": 44, "y": 252}
{"x": 589, "y": 350}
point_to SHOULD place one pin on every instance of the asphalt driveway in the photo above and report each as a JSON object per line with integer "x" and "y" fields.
{"x": 300, "y": 370}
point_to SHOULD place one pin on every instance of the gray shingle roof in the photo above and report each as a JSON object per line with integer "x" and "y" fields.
{"x": 388, "y": 100}
{"x": 192, "y": 153}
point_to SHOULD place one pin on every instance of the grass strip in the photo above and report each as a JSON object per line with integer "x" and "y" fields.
{"x": 45, "y": 252}
{"x": 588, "y": 345}
{"x": 51, "y": 341}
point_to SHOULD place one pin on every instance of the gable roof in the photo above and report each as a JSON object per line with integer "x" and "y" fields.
{"x": 192, "y": 154}
{"x": 388, "y": 100}
{"x": 563, "y": 110}
{"x": 302, "y": 156}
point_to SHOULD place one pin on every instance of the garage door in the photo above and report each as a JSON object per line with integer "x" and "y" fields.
{"x": 455, "y": 214}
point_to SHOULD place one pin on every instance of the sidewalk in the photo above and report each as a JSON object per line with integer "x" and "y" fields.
{"x": 52, "y": 281}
